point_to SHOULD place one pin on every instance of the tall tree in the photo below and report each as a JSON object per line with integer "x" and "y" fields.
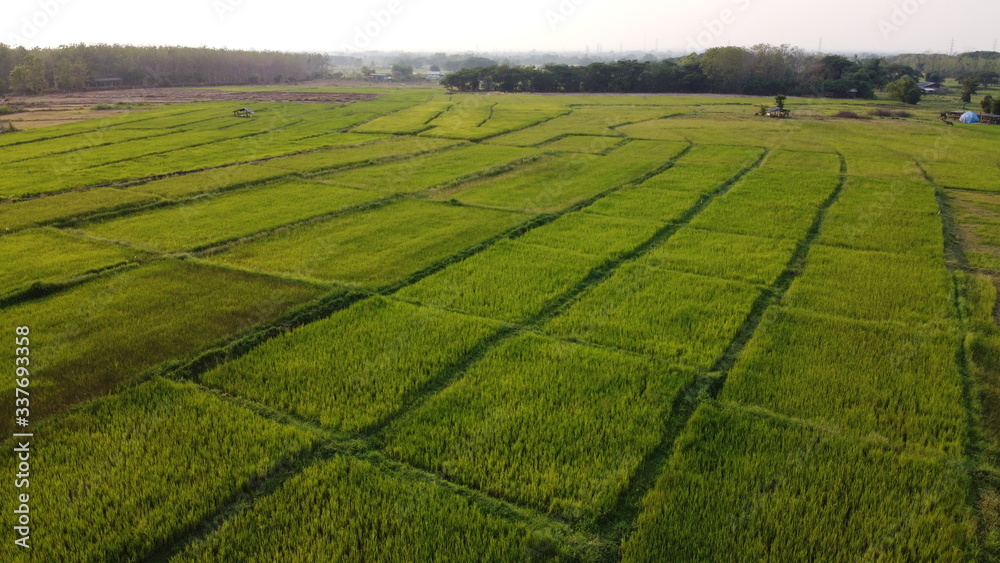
{"x": 905, "y": 90}
{"x": 29, "y": 78}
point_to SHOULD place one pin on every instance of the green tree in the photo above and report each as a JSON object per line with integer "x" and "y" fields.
{"x": 402, "y": 72}
{"x": 969, "y": 88}
{"x": 987, "y": 104}
{"x": 29, "y": 77}
{"x": 780, "y": 101}
{"x": 904, "y": 90}
{"x": 70, "y": 74}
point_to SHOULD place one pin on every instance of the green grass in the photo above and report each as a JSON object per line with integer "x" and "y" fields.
{"x": 462, "y": 119}
{"x": 65, "y": 145}
{"x": 509, "y": 281}
{"x": 654, "y": 130}
{"x": 427, "y": 171}
{"x": 583, "y": 121}
{"x": 682, "y": 318}
{"x": 745, "y": 258}
{"x": 693, "y": 177}
{"x": 875, "y": 286}
{"x": 977, "y": 215}
{"x": 210, "y": 220}
{"x": 355, "y": 368}
{"x": 110, "y": 330}
{"x": 723, "y": 155}
{"x": 211, "y": 180}
{"x": 886, "y": 381}
{"x": 556, "y": 425}
{"x": 374, "y": 247}
{"x": 349, "y": 510}
{"x": 978, "y": 298}
{"x": 775, "y": 186}
{"x": 50, "y": 256}
{"x": 874, "y": 163}
{"x": 742, "y": 487}
{"x": 555, "y": 183}
{"x": 968, "y": 174}
{"x": 826, "y": 164}
{"x": 644, "y": 204}
{"x": 49, "y": 209}
{"x": 118, "y": 477}
{"x": 409, "y": 120}
{"x": 590, "y": 233}
{"x": 862, "y": 194}
{"x": 747, "y": 216}
{"x": 884, "y": 228}
{"x": 583, "y": 143}
{"x": 476, "y": 117}
{"x": 325, "y": 159}
{"x": 182, "y": 151}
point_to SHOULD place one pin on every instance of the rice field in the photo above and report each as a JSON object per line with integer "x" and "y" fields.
{"x": 433, "y": 326}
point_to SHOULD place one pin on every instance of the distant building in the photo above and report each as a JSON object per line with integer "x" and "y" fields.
{"x": 434, "y": 74}
{"x": 777, "y": 112}
{"x": 107, "y": 82}
{"x": 378, "y": 76}
{"x": 930, "y": 87}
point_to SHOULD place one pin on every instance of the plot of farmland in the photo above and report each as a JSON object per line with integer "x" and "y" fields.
{"x": 230, "y": 215}
{"x": 460, "y": 327}
{"x": 374, "y": 247}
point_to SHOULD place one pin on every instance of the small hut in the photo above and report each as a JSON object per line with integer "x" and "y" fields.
{"x": 777, "y": 112}
{"x": 243, "y": 112}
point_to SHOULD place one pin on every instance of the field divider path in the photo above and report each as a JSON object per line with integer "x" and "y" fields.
{"x": 366, "y": 442}
{"x": 954, "y": 253}
{"x": 984, "y": 479}
{"x": 618, "y": 524}
{"x": 133, "y": 182}
{"x": 777, "y": 290}
{"x": 686, "y": 398}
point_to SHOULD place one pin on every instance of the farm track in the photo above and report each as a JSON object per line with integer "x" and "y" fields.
{"x": 612, "y": 528}
{"x": 336, "y": 443}
{"x": 604, "y": 536}
{"x": 985, "y": 479}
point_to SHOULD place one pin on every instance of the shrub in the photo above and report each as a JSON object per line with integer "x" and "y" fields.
{"x": 848, "y": 115}
{"x": 904, "y": 90}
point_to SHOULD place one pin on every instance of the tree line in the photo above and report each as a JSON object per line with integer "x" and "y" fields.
{"x": 73, "y": 67}
{"x": 759, "y": 70}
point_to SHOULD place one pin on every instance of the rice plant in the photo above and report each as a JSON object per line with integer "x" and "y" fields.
{"x": 356, "y": 367}
{"x": 556, "y": 425}
{"x": 742, "y": 487}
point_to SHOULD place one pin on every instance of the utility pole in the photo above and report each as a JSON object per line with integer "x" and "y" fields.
{"x": 951, "y": 51}
{"x": 820, "y": 45}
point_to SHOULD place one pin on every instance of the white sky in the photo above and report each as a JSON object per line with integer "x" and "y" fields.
{"x": 509, "y": 25}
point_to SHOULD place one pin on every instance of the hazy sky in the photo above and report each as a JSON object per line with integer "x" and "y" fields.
{"x": 522, "y": 25}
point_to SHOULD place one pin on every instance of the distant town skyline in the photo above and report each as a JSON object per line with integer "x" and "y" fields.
{"x": 678, "y": 26}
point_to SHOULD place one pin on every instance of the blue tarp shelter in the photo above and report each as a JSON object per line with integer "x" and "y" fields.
{"x": 969, "y": 117}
